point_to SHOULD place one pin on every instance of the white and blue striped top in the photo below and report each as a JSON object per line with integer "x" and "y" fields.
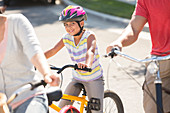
{"x": 78, "y": 54}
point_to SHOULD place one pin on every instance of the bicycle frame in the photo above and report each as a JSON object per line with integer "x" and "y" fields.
{"x": 82, "y": 99}
{"x": 93, "y": 103}
{"x": 157, "y": 82}
{"x": 72, "y": 98}
{"x": 30, "y": 86}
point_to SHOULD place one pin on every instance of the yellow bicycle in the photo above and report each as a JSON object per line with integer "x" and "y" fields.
{"x": 112, "y": 102}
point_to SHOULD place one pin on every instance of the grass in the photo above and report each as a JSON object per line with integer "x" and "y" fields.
{"x": 111, "y": 7}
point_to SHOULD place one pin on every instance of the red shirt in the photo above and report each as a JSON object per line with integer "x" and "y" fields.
{"x": 157, "y": 13}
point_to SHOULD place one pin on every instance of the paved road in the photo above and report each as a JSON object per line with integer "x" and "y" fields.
{"x": 49, "y": 31}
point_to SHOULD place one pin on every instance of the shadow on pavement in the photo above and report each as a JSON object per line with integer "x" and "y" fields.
{"x": 36, "y": 11}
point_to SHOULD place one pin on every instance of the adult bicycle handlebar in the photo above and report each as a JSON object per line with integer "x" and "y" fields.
{"x": 29, "y": 86}
{"x": 70, "y": 66}
{"x": 115, "y": 52}
{"x": 154, "y": 70}
{"x": 53, "y": 93}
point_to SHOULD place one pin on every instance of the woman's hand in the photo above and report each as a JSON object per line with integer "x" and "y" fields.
{"x": 3, "y": 99}
{"x": 3, "y": 105}
{"x": 52, "y": 79}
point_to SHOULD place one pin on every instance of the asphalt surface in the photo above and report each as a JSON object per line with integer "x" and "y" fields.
{"x": 49, "y": 31}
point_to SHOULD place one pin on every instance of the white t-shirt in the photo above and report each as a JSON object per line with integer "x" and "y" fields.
{"x": 3, "y": 44}
{"x": 16, "y": 68}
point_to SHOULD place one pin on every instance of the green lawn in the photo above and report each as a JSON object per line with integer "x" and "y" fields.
{"x": 111, "y": 7}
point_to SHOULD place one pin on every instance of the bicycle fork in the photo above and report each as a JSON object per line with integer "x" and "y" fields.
{"x": 158, "y": 86}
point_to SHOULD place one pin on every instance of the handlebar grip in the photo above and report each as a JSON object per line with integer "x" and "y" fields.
{"x": 54, "y": 68}
{"x": 35, "y": 85}
{"x": 112, "y": 53}
{"x": 84, "y": 69}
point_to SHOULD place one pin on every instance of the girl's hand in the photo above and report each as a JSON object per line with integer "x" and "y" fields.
{"x": 81, "y": 66}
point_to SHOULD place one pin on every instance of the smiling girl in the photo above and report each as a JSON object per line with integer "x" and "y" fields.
{"x": 81, "y": 45}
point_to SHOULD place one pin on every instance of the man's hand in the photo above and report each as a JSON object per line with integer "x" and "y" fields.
{"x": 112, "y": 45}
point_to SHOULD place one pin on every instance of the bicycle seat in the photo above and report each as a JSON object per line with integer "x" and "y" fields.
{"x": 54, "y": 96}
{"x": 81, "y": 87}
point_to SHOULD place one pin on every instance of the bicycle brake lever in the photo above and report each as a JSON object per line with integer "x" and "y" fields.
{"x": 112, "y": 53}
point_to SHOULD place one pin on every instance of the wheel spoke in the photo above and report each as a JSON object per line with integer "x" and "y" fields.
{"x": 112, "y": 103}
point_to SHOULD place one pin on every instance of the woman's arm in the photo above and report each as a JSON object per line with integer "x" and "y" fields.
{"x": 41, "y": 64}
{"x": 55, "y": 49}
{"x": 30, "y": 46}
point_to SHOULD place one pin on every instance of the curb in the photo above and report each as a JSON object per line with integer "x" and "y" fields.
{"x": 107, "y": 17}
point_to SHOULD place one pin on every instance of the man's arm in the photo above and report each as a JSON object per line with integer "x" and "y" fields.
{"x": 130, "y": 34}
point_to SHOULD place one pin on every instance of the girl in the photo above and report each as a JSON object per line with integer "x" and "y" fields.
{"x": 81, "y": 45}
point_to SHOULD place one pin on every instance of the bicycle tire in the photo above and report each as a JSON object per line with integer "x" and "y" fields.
{"x": 69, "y": 109}
{"x": 112, "y": 103}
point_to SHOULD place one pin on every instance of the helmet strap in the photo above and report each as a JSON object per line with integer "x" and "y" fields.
{"x": 81, "y": 29}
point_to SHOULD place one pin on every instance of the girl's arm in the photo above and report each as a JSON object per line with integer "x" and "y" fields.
{"x": 55, "y": 49}
{"x": 91, "y": 45}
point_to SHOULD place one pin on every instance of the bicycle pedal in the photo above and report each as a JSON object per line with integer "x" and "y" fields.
{"x": 94, "y": 104}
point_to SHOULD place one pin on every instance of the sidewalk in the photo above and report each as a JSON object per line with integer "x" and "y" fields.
{"x": 133, "y": 2}
{"x": 122, "y": 21}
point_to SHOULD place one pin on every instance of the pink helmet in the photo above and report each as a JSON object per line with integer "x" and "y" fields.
{"x": 73, "y": 13}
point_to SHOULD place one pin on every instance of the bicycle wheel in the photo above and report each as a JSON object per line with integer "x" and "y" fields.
{"x": 112, "y": 103}
{"x": 69, "y": 109}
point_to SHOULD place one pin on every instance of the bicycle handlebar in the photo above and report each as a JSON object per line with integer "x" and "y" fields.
{"x": 29, "y": 86}
{"x": 70, "y": 66}
{"x": 115, "y": 52}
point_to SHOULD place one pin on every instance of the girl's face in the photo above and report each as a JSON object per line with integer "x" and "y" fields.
{"x": 72, "y": 27}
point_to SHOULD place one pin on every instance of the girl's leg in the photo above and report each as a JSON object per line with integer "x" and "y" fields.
{"x": 70, "y": 90}
{"x": 95, "y": 89}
